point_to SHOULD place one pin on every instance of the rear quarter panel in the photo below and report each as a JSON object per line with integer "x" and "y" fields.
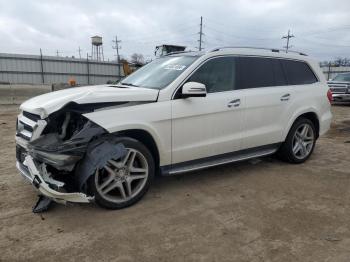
{"x": 311, "y": 98}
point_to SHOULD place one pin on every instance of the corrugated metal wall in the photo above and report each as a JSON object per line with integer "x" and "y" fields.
{"x": 32, "y": 69}
{"x": 332, "y": 71}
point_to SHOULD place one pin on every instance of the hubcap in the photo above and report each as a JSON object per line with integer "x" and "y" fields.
{"x": 303, "y": 141}
{"x": 122, "y": 179}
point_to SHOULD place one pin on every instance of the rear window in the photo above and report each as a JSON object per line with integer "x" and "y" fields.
{"x": 298, "y": 73}
{"x": 342, "y": 77}
{"x": 254, "y": 72}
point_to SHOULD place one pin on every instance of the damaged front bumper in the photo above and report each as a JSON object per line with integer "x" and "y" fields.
{"x": 42, "y": 158}
{"x": 31, "y": 173}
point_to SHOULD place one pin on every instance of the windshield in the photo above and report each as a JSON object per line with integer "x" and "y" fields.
{"x": 159, "y": 73}
{"x": 342, "y": 77}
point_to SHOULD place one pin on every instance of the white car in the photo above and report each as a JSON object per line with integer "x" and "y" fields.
{"x": 182, "y": 112}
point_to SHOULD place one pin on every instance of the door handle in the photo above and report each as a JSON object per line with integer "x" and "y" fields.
{"x": 285, "y": 97}
{"x": 234, "y": 103}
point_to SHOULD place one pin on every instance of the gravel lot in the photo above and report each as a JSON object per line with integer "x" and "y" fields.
{"x": 260, "y": 210}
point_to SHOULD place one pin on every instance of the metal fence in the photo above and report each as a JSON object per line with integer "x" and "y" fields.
{"x": 37, "y": 69}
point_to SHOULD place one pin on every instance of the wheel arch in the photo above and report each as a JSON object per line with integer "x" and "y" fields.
{"x": 144, "y": 137}
{"x": 308, "y": 114}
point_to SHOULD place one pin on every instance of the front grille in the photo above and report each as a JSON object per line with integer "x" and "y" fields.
{"x": 26, "y": 124}
{"x": 339, "y": 90}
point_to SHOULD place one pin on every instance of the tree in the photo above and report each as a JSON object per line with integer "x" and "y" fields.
{"x": 339, "y": 61}
{"x": 137, "y": 59}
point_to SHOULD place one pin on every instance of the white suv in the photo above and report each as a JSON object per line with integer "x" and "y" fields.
{"x": 182, "y": 112}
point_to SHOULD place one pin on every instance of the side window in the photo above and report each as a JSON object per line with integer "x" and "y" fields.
{"x": 278, "y": 72}
{"x": 217, "y": 74}
{"x": 298, "y": 73}
{"x": 255, "y": 72}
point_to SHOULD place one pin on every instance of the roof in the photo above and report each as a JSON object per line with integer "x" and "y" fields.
{"x": 274, "y": 52}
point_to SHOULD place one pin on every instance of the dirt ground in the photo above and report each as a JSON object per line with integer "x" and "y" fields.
{"x": 260, "y": 210}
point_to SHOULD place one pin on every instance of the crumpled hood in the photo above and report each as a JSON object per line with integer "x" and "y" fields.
{"x": 46, "y": 104}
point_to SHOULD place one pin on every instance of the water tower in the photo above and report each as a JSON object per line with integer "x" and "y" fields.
{"x": 97, "y": 48}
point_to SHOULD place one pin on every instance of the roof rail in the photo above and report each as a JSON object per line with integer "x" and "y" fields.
{"x": 276, "y": 50}
{"x": 177, "y": 52}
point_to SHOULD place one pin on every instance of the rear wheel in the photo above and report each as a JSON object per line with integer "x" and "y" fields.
{"x": 123, "y": 181}
{"x": 300, "y": 142}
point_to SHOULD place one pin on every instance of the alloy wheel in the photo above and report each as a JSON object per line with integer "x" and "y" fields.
{"x": 122, "y": 179}
{"x": 303, "y": 141}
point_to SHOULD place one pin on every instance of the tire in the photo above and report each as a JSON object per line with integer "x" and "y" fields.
{"x": 123, "y": 180}
{"x": 306, "y": 144}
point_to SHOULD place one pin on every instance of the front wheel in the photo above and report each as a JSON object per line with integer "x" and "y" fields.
{"x": 300, "y": 142}
{"x": 123, "y": 181}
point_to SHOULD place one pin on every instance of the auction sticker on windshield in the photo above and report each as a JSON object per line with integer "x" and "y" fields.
{"x": 175, "y": 67}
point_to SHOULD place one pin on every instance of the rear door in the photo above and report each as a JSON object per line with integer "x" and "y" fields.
{"x": 303, "y": 87}
{"x": 267, "y": 100}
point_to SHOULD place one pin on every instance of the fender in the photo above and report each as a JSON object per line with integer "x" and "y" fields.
{"x": 154, "y": 118}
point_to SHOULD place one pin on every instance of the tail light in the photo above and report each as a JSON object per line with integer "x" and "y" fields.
{"x": 329, "y": 96}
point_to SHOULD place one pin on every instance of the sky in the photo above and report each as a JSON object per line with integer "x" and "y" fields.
{"x": 321, "y": 28}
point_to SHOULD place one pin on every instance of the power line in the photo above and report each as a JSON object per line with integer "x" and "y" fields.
{"x": 238, "y": 26}
{"x": 327, "y": 30}
{"x": 178, "y": 38}
{"x": 237, "y": 36}
{"x": 154, "y": 34}
{"x": 322, "y": 44}
{"x": 288, "y": 36}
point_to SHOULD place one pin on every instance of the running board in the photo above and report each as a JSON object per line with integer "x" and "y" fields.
{"x": 207, "y": 162}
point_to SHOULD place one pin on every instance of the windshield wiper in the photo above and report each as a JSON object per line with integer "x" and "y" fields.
{"x": 128, "y": 84}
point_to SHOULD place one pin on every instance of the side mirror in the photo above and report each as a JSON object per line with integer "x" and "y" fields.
{"x": 194, "y": 89}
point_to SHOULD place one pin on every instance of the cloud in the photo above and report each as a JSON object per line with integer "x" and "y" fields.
{"x": 320, "y": 27}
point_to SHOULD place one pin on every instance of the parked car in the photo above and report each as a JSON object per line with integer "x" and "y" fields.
{"x": 340, "y": 87}
{"x": 182, "y": 112}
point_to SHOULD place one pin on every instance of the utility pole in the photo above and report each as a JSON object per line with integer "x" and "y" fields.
{"x": 288, "y": 36}
{"x": 117, "y": 47}
{"x": 88, "y": 68}
{"x": 79, "y": 50}
{"x": 200, "y": 34}
{"x": 42, "y": 67}
{"x": 57, "y": 53}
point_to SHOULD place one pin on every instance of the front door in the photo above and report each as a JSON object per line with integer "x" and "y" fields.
{"x": 211, "y": 125}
